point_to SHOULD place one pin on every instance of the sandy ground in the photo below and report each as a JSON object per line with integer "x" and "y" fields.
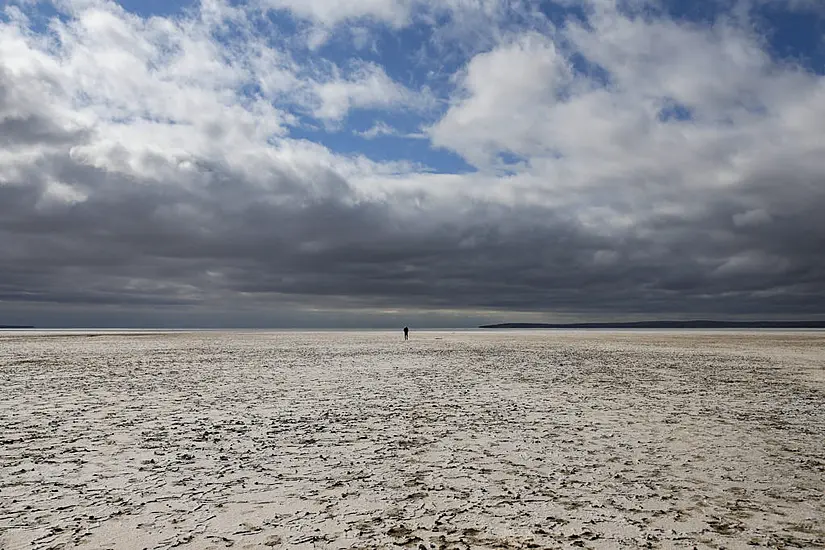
{"x": 450, "y": 440}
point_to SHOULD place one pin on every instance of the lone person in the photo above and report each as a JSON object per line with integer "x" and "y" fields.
{"x": 406, "y": 333}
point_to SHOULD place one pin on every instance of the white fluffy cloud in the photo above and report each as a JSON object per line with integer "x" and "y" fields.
{"x": 368, "y": 86}
{"x": 393, "y": 12}
{"x": 505, "y": 100}
{"x": 594, "y": 113}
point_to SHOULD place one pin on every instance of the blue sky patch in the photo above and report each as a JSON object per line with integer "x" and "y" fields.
{"x": 675, "y": 111}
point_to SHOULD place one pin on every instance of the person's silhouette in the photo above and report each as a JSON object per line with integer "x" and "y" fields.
{"x": 406, "y": 333}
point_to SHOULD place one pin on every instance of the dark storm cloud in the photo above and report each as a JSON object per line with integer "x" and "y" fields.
{"x": 317, "y": 248}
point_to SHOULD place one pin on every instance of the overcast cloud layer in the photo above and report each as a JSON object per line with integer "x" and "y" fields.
{"x": 371, "y": 162}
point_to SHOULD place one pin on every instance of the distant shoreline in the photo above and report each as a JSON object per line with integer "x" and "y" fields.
{"x": 14, "y": 326}
{"x": 667, "y": 325}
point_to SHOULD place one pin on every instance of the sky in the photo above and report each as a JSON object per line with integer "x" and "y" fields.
{"x": 380, "y": 163}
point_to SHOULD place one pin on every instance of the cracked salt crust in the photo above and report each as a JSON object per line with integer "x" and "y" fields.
{"x": 451, "y": 440}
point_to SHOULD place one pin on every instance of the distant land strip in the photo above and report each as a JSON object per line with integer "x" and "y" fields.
{"x": 14, "y": 326}
{"x": 669, "y": 324}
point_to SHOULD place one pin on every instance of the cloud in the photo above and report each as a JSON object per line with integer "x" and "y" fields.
{"x": 378, "y": 129}
{"x": 751, "y": 217}
{"x": 392, "y": 12}
{"x": 625, "y": 165}
{"x": 381, "y": 129}
{"x": 367, "y": 86}
{"x": 488, "y": 116}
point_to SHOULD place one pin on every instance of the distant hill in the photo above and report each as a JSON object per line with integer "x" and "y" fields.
{"x": 13, "y": 326}
{"x": 669, "y": 324}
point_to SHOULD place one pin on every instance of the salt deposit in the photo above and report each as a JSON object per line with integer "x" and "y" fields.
{"x": 451, "y": 440}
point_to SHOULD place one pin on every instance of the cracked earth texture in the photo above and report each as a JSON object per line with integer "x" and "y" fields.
{"x": 522, "y": 439}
